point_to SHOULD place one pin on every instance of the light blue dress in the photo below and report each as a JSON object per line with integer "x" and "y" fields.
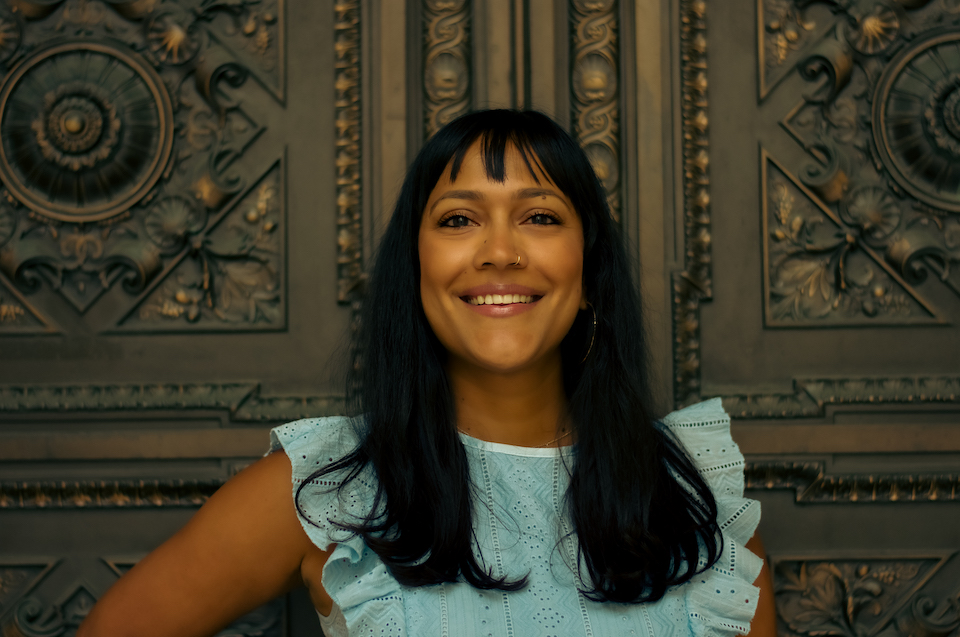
{"x": 522, "y": 531}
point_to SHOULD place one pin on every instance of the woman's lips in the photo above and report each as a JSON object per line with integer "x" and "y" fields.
{"x": 503, "y": 310}
{"x": 501, "y": 299}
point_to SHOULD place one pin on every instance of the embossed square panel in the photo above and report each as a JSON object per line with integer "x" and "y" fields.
{"x": 132, "y": 167}
{"x": 821, "y": 192}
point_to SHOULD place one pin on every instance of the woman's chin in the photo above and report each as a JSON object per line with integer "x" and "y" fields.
{"x": 511, "y": 361}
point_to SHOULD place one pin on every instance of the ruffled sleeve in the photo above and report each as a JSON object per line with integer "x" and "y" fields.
{"x": 354, "y": 576}
{"x": 722, "y": 600}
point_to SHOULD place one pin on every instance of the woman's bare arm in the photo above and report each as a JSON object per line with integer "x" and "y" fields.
{"x": 765, "y": 619}
{"x": 244, "y": 547}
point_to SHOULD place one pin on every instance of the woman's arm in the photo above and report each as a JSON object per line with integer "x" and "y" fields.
{"x": 765, "y": 619}
{"x": 244, "y": 547}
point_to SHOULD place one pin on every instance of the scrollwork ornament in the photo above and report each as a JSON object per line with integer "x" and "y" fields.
{"x": 829, "y": 179}
{"x": 446, "y": 61}
{"x": 931, "y": 618}
{"x": 925, "y": 243}
{"x": 832, "y": 59}
{"x": 217, "y": 66}
{"x": 33, "y": 619}
{"x": 594, "y": 84}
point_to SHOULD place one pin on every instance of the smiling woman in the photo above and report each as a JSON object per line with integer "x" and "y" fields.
{"x": 501, "y": 281}
{"x": 503, "y": 473}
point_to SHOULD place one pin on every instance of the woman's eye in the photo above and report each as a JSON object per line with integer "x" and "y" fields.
{"x": 542, "y": 218}
{"x": 455, "y": 221}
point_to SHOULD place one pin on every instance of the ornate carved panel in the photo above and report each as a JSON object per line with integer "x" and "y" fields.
{"x": 446, "y": 61}
{"x": 858, "y": 227}
{"x": 232, "y": 276}
{"x": 124, "y": 156}
{"x": 864, "y": 597}
{"x": 880, "y": 126}
{"x": 595, "y": 92}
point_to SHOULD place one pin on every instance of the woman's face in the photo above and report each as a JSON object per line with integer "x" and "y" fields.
{"x": 487, "y": 310}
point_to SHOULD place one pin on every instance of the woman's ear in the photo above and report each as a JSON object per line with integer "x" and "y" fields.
{"x": 583, "y": 300}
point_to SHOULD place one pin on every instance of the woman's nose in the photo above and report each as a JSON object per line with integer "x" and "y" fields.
{"x": 499, "y": 249}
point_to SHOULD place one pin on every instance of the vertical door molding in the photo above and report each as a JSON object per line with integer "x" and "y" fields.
{"x": 447, "y": 80}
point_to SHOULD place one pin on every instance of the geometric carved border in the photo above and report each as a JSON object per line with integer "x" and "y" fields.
{"x": 809, "y": 481}
{"x": 811, "y": 396}
{"x": 349, "y": 123}
{"x": 694, "y": 283}
{"x": 109, "y": 494}
{"x": 814, "y": 486}
{"x": 242, "y": 399}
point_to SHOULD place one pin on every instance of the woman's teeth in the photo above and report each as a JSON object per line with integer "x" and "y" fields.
{"x": 497, "y": 299}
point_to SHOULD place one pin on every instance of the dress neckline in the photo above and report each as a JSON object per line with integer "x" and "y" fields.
{"x": 514, "y": 450}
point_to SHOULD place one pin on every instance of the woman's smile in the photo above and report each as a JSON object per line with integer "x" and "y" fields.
{"x": 501, "y": 264}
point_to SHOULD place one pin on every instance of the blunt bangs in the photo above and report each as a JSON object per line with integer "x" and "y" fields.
{"x": 547, "y": 150}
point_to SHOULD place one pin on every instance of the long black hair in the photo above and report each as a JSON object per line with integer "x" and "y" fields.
{"x": 644, "y": 518}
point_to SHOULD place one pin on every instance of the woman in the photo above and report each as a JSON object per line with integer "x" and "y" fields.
{"x": 506, "y": 477}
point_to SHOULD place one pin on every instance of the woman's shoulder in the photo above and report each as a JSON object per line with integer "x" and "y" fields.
{"x": 708, "y": 412}
{"x": 313, "y": 443}
{"x": 325, "y": 498}
{"x": 329, "y": 431}
{"x": 703, "y": 430}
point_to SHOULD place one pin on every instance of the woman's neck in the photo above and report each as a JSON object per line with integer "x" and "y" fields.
{"x": 524, "y": 408}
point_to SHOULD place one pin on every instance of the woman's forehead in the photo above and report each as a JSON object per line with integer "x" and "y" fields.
{"x": 511, "y": 161}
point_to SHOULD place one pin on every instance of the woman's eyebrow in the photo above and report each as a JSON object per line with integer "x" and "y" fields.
{"x": 532, "y": 193}
{"x": 476, "y": 195}
{"x": 469, "y": 195}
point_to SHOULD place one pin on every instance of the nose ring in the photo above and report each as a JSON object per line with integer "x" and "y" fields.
{"x": 518, "y": 261}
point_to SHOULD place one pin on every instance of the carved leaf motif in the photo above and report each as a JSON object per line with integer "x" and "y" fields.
{"x": 232, "y": 273}
{"x": 821, "y": 267}
{"x": 844, "y": 598}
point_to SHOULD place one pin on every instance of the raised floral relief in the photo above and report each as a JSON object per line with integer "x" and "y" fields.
{"x": 786, "y": 29}
{"x": 124, "y": 144}
{"x": 862, "y": 598}
{"x": 824, "y": 266}
{"x": 231, "y": 273}
{"x": 872, "y": 219}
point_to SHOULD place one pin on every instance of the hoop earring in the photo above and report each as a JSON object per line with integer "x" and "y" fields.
{"x": 593, "y": 333}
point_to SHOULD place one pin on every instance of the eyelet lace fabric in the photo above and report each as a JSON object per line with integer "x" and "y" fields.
{"x": 521, "y": 531}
